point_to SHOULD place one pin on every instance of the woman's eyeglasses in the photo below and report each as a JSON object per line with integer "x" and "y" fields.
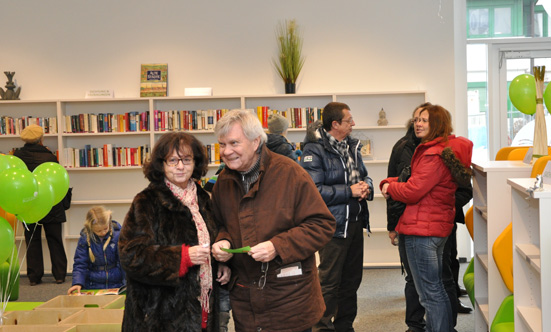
{"x": 173, "y": 162}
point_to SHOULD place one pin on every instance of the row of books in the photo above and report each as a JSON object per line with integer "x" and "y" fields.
{"x": 108, "y": 155}
{"x": 107, "y": 122}
{"x": 299, "y": 117}
{"x": 13, "y": 126}
{"x": 186, "y": 120}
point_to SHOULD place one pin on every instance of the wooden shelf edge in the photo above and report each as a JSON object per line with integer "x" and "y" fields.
{"x": 531, "y": 317}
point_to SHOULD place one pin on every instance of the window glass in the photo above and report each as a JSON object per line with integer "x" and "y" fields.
{"x": 478, "y": 21}
{"x": 502, "y": 21}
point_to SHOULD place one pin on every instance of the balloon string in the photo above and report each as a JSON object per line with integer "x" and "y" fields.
{"x": 5, "y": 296}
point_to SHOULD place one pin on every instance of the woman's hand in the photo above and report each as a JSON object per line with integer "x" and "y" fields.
{"x": 218, "y": 253}
{"x": 384, "y": 191}
{"x": 75, "y": 290}
{"x": 224, "y": 274}
{"x": 199, "y": 254}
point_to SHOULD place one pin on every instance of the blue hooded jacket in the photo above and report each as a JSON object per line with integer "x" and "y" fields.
{"x": 105, "y": 271}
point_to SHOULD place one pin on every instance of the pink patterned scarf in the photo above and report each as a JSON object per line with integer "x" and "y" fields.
{"x": 188, "y": 197}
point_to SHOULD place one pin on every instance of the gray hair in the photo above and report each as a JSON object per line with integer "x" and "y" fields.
{"x": 249, "y": 122}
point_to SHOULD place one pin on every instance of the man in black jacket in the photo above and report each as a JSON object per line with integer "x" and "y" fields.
{"x": 34, "y": 153}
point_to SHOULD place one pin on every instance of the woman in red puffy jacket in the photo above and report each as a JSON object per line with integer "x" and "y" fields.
{"x": 439, "y": 163}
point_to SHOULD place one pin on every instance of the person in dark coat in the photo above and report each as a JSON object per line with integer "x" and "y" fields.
{"x": 34, "y": 153}
{"x": 277, "y": 140}
{"x": 165, "y": 241}
{"x": 333, "y": 159}
{"x": 267, "y": 202}
{"x": 97, "y": 264}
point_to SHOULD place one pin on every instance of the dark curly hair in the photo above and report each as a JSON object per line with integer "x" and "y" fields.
{"x": 175, "y": 141}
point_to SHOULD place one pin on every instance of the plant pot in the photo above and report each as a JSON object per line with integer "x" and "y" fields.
{"x": 290, "y": 88}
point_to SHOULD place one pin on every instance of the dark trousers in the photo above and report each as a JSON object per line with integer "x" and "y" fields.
{"x": 35, "y": 261}
{"x": 415, "y": 313}
{"x": 340, "y": 272}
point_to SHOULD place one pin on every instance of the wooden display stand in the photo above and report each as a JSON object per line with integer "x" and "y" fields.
{"x": 492, "y": 214}
{"x": 531, "y": 255}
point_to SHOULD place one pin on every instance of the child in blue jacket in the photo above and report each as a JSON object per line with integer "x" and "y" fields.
{"x": 97, "y": 264}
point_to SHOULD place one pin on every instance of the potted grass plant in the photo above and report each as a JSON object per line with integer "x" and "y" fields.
{"x": 290, "y": 60}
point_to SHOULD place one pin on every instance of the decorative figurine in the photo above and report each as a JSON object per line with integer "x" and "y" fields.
{"x": 10, "y": 93}
{"x": 382, "y": 118}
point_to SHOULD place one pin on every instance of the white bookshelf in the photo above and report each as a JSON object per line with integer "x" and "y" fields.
{"x": 492, "y": 214}
{"x": 115, "y": 187}
{"x": 531, "y": 255}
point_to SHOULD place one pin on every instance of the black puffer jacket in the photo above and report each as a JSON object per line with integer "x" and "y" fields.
{"x": 150, "y": 250}
{"x": 400, "y": 160}
{"x": 329, "y": 173}
{"x": 280, "y": 144}
{"x": 34, "y": 155}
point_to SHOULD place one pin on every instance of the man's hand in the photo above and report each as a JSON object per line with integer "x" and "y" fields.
{"x": 360, "y": 190}
{"x": 224, "y": 274}
{"x": 263, "y": 252}
{"x": 218, "y": 253}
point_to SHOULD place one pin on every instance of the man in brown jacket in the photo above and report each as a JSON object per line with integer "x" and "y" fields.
{"x": 267, "y": 202}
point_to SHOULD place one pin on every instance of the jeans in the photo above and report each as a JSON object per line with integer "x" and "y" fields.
{"x": 415, "y": 313}
{"x": 424, "y": 255}
{"x": 224, "y": 300}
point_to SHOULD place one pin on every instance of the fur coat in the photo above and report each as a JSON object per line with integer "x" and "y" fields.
{"x": 150, "y": 246}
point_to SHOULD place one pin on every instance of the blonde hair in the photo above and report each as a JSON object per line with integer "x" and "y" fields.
{"x": 99, "y": 216}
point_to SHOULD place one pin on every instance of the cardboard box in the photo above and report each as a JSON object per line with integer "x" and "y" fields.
{"x": 35, "y": 317}
{"x": 83, "y": 302}
{"x": 96, "y": 328}
{"x": 40, "y": 328}
{"x": 95, "y": 317}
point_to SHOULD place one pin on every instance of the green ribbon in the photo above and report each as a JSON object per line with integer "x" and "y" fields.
{"x": 238, "y": 250}
{"x": 539, "y": 100}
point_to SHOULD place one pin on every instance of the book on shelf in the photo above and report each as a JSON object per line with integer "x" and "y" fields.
{"x": 131, "y": 121}
{"x": 105, "y": 156}
{"x": 154, "y": 80}
{"x": 13, "y": 126}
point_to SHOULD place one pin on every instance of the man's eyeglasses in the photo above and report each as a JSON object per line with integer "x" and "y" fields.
{"x": 264, "y": 271}
{"x": 173, "y": 162}
{"x": 351, "y": 120}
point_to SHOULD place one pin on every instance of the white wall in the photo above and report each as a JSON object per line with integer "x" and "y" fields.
{"x": 60, "y": 49}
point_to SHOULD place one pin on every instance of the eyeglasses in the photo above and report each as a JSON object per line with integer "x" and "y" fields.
{"x": 173, "y": 162}
{"x": 264, "y": 271}
{"x": 351, "y": 120}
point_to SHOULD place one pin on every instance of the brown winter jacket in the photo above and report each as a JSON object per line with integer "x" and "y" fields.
{"x": 284, "y": 207}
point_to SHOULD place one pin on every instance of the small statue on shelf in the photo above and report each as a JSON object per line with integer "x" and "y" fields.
{"x": 382, "y": 118}
{"x": 10, "y": 93}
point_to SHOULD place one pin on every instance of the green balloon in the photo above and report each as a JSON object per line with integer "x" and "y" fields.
{"x": 7, "y": 240}
{"x": 41, "y": 205}
{"x": 9, "y": 161}
{"x": 522, "y": 93}
{"x": 547, "y": 98}
{"x": 57, "y": 176}
{"x": 19, "y": 189}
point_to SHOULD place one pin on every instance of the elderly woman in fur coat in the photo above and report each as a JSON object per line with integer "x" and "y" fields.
{"x": 439, "y": 164}
{"x": 165, "y": 244}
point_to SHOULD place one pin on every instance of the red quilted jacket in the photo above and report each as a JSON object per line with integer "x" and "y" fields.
{"x": 430, "y": 191}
